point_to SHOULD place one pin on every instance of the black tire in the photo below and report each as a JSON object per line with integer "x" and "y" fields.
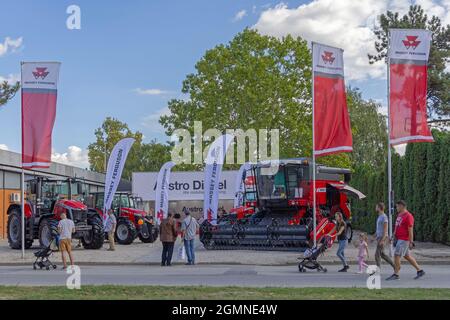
{"x": 349, "y": 233}
{"x": 95, "y": 239}
{"x": 151, "y": 236}
{"x": 14, "y": 227}
{"x": 125, "y": 232}
{"x": 48, "y": 230}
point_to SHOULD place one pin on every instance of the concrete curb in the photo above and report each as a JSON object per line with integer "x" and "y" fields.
{"x": 327, "y": 263}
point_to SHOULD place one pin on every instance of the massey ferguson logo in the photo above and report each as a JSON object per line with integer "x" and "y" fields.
{"x": 209, "y": 214}
{"x": 40, "y": 73}
{"x": 327, "y": 57}
{"x": 160, "y": 214}
{"x": 411, "y": 42}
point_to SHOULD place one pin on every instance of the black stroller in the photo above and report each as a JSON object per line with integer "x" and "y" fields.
{"x": 309, "y": 260}
{"x": 43, "y": 255}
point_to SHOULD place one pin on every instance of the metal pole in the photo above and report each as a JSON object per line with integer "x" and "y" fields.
{"x": 22, "y": 185}
{"x": 389, "y": 143}
{"x": 22, "y": 198}
{"x": 313, "y": 154}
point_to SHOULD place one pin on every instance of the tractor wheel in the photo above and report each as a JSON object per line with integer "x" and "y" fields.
{"x": 48, "y": 230}
{"x": 349, "y": 233}
{"x": 150, "y": 236}
{"x": 125, "y": 232}
{"x": 96, "y": 237}
{"x": 15, "y": 231}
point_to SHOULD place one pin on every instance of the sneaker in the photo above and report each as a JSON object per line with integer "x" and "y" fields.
{"x": 420, "y": 274}
{"x": 393, "y": 277}
{"x": 344, "y": 269}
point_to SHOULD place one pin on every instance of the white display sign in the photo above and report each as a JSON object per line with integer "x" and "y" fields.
{"x": 409, "y": 44}
{"x": 328, "y": 60}
{"x": 186, "y": 185}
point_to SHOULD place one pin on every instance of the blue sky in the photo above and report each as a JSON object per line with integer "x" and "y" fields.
{"x": 124, "y": 46}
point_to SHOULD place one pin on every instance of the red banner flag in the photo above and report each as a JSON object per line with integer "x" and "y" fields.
{"x": 408, "y": 57}
{"x": 39, "y": 93}
{"x": 332, "y": 131}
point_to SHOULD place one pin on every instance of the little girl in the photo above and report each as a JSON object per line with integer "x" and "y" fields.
{"x": 363, "y": 252}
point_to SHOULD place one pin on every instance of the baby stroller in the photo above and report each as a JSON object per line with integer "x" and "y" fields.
{"x": 43, "y": 255}
{"x": 309, "y": 260}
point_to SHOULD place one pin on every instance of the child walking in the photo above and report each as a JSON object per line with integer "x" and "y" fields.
{"x": 363, "y": 253}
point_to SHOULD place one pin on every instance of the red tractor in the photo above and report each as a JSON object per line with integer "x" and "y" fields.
{"x": 46, "y": 200}
{"x": 132, "y": 220}
{"x": 277, "y": 209}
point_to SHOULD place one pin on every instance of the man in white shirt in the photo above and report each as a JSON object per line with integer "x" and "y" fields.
{"x": 66, "y": 228}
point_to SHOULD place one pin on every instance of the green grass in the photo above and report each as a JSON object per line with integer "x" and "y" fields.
{"x": 207, "y": 293}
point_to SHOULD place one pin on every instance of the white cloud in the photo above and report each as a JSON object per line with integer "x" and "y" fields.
{"x": 151, "y": 122}
{"x": 4, "y": 147}
{"x": 10, "y": 45}
{"x": 240, "y": 15}
{"x": 345, "y": 23}
{"x": 74, "y": 156}
{"x": 150, "y": 92}
{"x": 11, "y": 78}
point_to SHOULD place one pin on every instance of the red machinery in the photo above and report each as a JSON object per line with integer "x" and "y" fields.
{"x": 47, "y": 200}
{"x": 132, "y": 221}
{"x": 277, "y": 209}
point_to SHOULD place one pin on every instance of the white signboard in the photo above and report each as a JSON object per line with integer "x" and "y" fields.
{"x": 183, "y": 185}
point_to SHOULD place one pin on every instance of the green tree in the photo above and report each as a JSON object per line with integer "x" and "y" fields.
{"x": 152, "y": 156}
{"x": 369, "y": 131}
{"x": 438, "y": 79}
{"x": 262, "y": 82}
{"x": 7, "y": 91}
{"x": 111, "y": 132}
{"x": 142, "y": 157}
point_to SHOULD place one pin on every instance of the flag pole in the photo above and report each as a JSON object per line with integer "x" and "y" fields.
{"x": 22, "y": 187}
{"x": 313, "y": 154}
{"x": 390, "y": 206}
{"x": 22, "y": 197}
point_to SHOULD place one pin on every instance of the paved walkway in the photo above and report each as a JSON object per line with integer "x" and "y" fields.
{"x": 223, "y": 275}
{"x": 141, "y": 253}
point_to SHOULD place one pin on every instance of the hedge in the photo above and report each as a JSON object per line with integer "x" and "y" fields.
{"x": 422, "y": 178}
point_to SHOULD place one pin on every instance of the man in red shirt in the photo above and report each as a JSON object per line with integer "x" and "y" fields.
{"x": 404, "y": 241}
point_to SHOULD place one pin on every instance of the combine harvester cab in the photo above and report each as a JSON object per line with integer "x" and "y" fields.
{"x": 47, "y": 200}
{"x": 276, "y": 213}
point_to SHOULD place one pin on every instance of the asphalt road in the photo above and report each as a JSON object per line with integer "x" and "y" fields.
{"x": 438, "y": 276}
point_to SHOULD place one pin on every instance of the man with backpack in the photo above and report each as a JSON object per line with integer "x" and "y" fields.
{"x": 404, "y": 241}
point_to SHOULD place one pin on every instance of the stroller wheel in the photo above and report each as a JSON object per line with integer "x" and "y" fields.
{"x": 324, "y": 270}
{"x": 54, "y": 266}
{"x": 40, "y": 267}
{"x": 34, "y": 266}
{"x": 47, "y": 268}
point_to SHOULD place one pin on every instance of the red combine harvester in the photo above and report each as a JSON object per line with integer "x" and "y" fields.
{"x": 277, "y": 209}
{"x": 132, "y": 220}
{"x": 47, "y": 200}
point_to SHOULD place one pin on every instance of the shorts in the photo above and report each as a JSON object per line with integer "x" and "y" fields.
{"x": 401, "y": 248}
{"x": 65, "y": 245}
